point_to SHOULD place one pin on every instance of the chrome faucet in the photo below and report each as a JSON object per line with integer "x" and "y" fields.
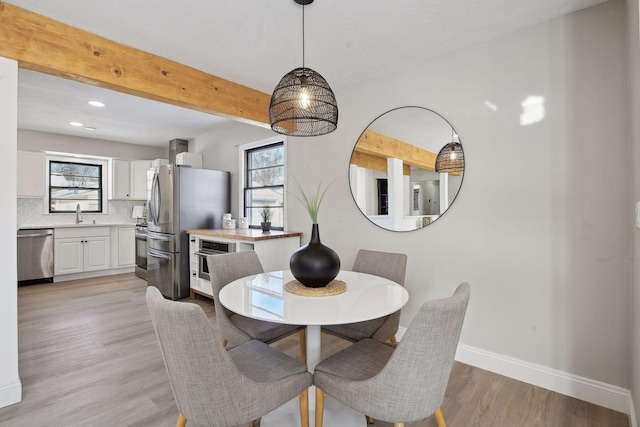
{"x": 78, "y": 214}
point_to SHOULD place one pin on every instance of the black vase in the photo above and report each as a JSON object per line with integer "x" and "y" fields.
{"x": 314, "y": 264}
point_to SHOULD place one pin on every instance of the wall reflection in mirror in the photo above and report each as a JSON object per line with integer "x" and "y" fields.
{"x": 392, "y": 172}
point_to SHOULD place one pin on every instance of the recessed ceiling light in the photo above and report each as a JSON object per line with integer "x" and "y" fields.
{"x": 96, "y": 103}
{"x": 76, "y": 124}
{"x": 89, "y": 128}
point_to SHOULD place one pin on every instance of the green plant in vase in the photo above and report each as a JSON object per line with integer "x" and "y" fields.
{"x": 311, "y": 200}
{"x": 314, "y": 264}
{"x": 266, "y": 213}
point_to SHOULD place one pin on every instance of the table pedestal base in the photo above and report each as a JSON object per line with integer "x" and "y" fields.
{"x": 335, "y": 415}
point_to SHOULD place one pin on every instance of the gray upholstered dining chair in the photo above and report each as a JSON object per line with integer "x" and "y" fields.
{"x": 234, "y": 328}
{"x": 402, "y": 383}
{"x": 391, "y": 266}
{"x": 217, "y": 387}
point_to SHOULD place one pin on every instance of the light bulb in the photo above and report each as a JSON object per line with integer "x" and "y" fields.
{"x": 304, "y": 98}
{"x": 453, "y": 156}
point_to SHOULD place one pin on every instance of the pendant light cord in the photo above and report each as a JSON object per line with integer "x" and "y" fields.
{"x": 303, "y": 35}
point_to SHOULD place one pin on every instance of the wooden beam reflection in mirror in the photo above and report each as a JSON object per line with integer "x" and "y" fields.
{"x": 383, "y": 146}
{"x": 371, "y": 161}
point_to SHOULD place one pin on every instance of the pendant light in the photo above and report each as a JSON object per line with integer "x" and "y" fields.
{"x": 451, "y": 157}
{"x": 302, "y": 103}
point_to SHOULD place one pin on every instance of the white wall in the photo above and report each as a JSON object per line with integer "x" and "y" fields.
{"x": 10, "y": 386}
{"x": 633, "y": 30}
{"x": 31, "y": 140}
{"x": 219, "y": 149}
{"x": 542, "y": 226}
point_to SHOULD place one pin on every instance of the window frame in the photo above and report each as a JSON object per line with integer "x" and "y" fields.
{"x": 104, "y": 171}
{"x": 243, "y": 151}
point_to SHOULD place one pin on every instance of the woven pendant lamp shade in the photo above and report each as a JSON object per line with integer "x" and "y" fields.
{"x": 450, "y": 158}
{"x": 303, "y": 104}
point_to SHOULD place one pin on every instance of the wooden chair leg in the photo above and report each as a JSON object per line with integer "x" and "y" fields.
{"x": 224, "y": 342}
{"x": 370, "y": 420}
{"x": 439, "y": 418}
{"x": 319, "y": 406}
{"x": 394, "y": 340}
{"x": 303, "y": 345}
{"x": 251, "y": 424}
{"x": 398, "y": 425}
{"x": 182, "y": 421}
{"x": 304, "y": 408}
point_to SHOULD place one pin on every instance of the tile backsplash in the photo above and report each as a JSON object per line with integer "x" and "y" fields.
{"x": 31, "y": 212}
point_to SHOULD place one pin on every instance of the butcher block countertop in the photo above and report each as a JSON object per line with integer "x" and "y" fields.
{"x": 247, "y": 234}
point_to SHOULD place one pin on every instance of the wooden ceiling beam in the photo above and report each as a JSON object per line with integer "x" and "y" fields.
{"x": 42, "y": 44}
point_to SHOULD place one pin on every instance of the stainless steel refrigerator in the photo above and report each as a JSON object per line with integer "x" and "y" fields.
{"x": 182, "y": 198}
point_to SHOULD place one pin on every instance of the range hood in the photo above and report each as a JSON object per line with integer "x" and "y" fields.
{"x": 177, "y": 146}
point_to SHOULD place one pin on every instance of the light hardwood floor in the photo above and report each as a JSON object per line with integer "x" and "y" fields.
{"x": 88, "y": 357}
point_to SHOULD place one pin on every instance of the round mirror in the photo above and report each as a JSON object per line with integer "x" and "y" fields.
{"x": 406, "y": 169}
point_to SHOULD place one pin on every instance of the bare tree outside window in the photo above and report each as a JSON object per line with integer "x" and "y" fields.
{"x": 72, "y": 184}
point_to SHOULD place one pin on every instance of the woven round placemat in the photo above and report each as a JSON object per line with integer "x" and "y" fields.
{"x": 334, "y": 287}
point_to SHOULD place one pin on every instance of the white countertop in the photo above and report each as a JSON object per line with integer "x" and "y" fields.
{"x": 81, "y": 225}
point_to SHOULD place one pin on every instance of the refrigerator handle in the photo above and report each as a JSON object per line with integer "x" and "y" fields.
{"x": 155, "y": 199}
{"x": 158, "y": 255}
{"x": 160, "y": 238}
{"x": 151, "y": 212}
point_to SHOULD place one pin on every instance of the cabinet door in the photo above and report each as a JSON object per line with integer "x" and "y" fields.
{"x": 96, "y": 253}
{"x": 119, "y": 180}
{"x": 31, "y": 169}
{"x": 69, "y": 255}
{"x": 126, "y": 246}
{"x": 139, "y": 170}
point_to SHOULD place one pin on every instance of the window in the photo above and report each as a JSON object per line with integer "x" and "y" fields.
{"x": 264, "y": 183}
{"x": 73, "y": 183}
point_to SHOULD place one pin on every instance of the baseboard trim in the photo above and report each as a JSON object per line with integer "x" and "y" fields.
{"x": 400, "y": 333}
{"x": 91, "y": 274}
{"x": 10, "y": 393}
{"x": 592, "y": 391}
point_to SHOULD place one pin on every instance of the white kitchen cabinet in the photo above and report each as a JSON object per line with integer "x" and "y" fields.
{"x": 31, "y": 170}
{"x": 81, "y": 249}
{"x": 155, "y": 164}
{"x": 119, "y": 185}
{"x": 191, "y": 159}
{"x": 138, "y": 177}
{"x": 69, "y": 255}
{"x": 128, "y": 180}
{"x": 96, "y": 253}
{"x": 126, "y": 246}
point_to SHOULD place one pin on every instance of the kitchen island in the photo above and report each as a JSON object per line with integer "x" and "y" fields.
{"x": 274, "y": 248}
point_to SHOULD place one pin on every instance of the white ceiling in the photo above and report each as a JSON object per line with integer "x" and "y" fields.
{"x": 254, "y": 43}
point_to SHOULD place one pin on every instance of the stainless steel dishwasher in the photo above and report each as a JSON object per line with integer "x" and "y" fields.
{"x": 35, "y": 255}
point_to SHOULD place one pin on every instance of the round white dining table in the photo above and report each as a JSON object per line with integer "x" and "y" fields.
{"x": 264, "y": 297}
